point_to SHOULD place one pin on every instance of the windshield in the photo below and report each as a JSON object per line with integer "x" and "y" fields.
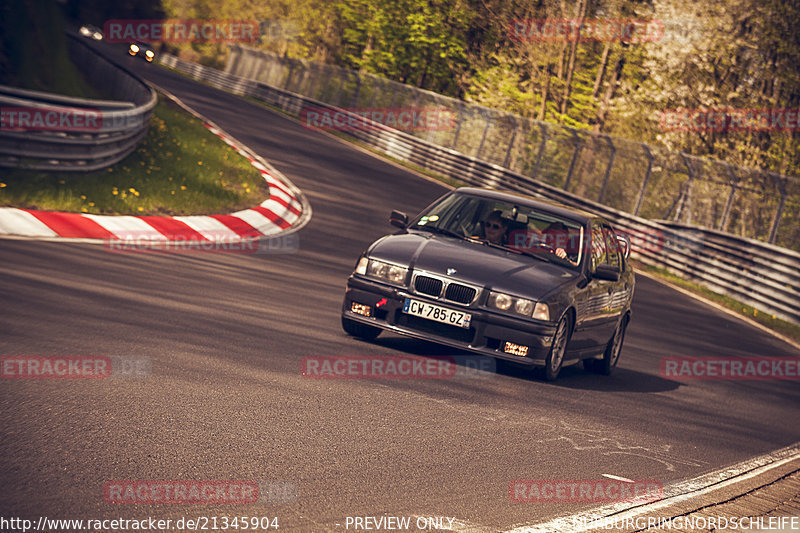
{"x": 515, "y": 227}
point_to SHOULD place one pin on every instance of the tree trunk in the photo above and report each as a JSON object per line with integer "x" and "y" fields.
{"x": 601, "y": 72}
{"x": 583, "y": 6}
{"x": 545, "y": 92}
{"x": 612, "y": 86}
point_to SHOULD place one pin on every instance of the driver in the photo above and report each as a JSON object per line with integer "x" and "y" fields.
{"x": 495, "y": 227}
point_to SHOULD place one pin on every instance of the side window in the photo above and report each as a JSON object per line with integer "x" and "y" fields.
{"x": 614, "y": 257}
{"x": 599, "y": 250}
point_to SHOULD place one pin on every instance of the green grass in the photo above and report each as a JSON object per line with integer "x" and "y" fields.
{"x": 770, "y": 321}
{"x": 180, "y": 169}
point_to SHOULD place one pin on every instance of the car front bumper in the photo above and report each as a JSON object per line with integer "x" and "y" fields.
{"x": 488, "y": 332}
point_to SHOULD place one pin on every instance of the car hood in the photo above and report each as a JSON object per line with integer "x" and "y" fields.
{"x": 474, "y": 263}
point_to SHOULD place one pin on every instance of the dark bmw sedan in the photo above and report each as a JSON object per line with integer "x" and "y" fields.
{"x": 502, "y": 275}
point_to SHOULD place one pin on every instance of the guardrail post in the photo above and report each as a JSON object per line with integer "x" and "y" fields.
{"x": 608, "y": 169}
{"x": 776, "y": 222}
{"x": 458, "y": 126}
{"x": 336, "y": 97}
{"x": 511, "y": 143}
{"x": 541, "y": 150}
{"x": 312, "y": 70}
{"x": 685, "y": 197}
{"x": 374, "y": 91}
{"x": 578, "y": 147}
{"x": 483, "y": 136}
{"x": 723, "y": 223}
{"x": 289, "y": 78}
{"x": 643, "y": 188}
{"x": 354, "y": 99}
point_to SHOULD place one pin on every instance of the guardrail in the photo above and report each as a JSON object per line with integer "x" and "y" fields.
{"x": 44, "y": 131}
{"x": 764, "y": 276}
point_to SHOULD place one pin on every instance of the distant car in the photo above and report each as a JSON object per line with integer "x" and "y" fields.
{"x": 143, "y": 50}
{"x": 554, "y": 289}
{"x": 92, "y": 32}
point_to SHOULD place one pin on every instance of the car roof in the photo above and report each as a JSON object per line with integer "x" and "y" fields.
{"x": 542, "y": 204}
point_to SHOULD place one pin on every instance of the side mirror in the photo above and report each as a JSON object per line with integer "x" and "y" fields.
{"x": 607, "y": 272}
{"x": 625, "y": 245}
{"x": 399, "y": 219}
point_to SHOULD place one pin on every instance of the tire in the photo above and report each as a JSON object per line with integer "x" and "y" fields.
{"x": 362, "y": 331}
{"x": 555, "y": 358}
{"x": 613, "y": 350}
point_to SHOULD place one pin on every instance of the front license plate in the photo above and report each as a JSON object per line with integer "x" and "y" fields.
{"x": 437, "y": 313}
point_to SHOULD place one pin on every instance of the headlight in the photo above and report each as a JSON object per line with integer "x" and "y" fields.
{"x": 134, "y": 48}
{"x": 385, "y": 271}
{"x": 521, "y": 306}
{"x": 149, "y": 53}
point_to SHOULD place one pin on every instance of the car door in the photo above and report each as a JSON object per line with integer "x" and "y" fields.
{"x": 594, "y": 305}
{"x": 621, "y": 292}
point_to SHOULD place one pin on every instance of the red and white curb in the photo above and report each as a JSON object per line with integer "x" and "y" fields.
{"x": 282, "y": 213}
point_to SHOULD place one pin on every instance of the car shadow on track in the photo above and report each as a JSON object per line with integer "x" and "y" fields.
{"x": 571, "y": 377}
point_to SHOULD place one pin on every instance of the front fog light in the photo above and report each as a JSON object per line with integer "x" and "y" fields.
{"x": 360, "y": 309}
{"x": 515, "y": 349}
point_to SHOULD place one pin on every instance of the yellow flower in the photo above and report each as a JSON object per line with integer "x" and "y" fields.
{"x": 136, "y": 193}
{"x": 115, "y": 192}
{"x": 172, "y": 192}
{"x": 141, "y": 209}
{"x": 132, "y": 190}
{"x": 2, "y": 185}
{"x": 170, "y": 178}
{"x": 183, "y": 187}
{"x": 83, "y": 210}
{"x": 91, "y": 204}
{"x": 199, "y": 162}
{"x": 83, "y": 197}
{"x": 247, "y": 190}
